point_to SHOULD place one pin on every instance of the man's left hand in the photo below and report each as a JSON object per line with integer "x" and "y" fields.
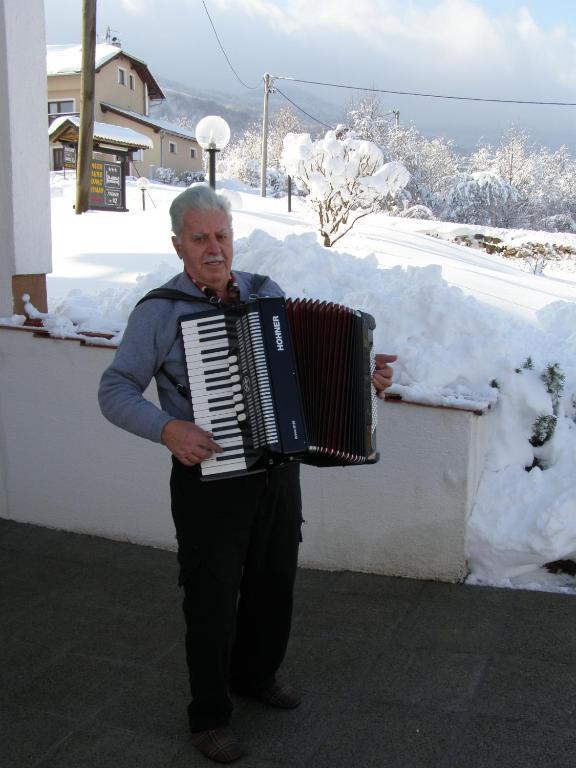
{"x": 383, "y": 373}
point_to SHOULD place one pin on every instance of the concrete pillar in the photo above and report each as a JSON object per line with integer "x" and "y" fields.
{"x": 25, "y": 235}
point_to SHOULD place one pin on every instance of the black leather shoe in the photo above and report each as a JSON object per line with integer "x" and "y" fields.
{"x": 279, "y": 695}
{"x": 221, "y": 744}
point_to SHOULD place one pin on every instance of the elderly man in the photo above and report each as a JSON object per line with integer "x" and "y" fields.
{"x": 238, "y": 537}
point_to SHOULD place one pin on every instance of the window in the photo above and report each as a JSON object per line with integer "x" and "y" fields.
{"x": 172, "y": 147}
{"x": 121, "y": 76}
{"x": 132, "y": 80}
{"x": 137, "y": 155}
{"x": 60, "y": 107}
{"x": 192, "y": 153}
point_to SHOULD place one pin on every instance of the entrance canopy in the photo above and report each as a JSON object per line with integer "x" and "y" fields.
{"x": 106, "y": 135}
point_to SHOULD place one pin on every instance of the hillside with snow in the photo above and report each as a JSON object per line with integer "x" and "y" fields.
{"x": 463, "y": 322}
{"x": 191, "y": 103}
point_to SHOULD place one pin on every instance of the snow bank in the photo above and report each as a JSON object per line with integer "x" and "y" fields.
{"x": 452, "y": 348}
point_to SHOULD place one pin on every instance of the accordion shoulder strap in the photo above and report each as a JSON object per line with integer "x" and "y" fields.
{"x": 174, "y": 295}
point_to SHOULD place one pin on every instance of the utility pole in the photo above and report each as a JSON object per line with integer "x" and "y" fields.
{"x": 396, "y": 113}
{"x": 86, "y": 131}
{"x": 264, "y": 163}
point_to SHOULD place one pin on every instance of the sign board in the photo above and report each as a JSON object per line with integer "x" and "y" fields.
{"x": 107, "y": 186}
{"x": 69, "y": 157}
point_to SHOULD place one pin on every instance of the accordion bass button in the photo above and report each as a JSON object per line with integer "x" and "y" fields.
{"x": 232, "y": 359}
{"x": 239, "y": 407}
{"x": 235, "y": 377}
{"x": 233, "y": 369}
{"x": 238, "y": 398}
{"x": 241, "y": 417}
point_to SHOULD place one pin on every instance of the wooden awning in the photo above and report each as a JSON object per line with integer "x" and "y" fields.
{"x": 66, "y": 129}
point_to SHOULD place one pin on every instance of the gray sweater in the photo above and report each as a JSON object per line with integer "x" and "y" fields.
{"x": 151, "y": 342}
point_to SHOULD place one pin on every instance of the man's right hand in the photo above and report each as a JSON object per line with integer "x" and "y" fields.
{"x": 189, "y": 443}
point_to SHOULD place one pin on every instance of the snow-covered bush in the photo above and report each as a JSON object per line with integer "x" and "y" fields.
{"x": 560, "y": 222}
{"x": 417, "y": 212}
{"x": 346, "y": 179}
{"x": 191, "y": 177}
{"x": 165, "y": 175}
{"x": 276, "y": 182}
{"x": 481, "y": 197}
{"x": 545, "y": 424}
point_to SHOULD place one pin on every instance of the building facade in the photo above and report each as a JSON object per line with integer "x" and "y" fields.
{"x": 123, "y": 92}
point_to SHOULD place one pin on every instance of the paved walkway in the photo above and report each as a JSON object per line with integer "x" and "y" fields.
{"x": 396, "y": 673}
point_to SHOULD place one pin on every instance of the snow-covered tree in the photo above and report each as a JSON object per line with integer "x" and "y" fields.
{"x": 429, "y": 161}
{"x": 545, "y": 180}
{"x": 242, "y": 157}
{"x": 552, "y": 191}
{"x": 513, "y": 159}
{"x": 346, "y": 179}
{"x": 367, "y": 117}
{"x": 482, "y": 197}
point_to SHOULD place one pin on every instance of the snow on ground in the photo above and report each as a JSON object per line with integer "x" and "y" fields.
{"x": 462, "y": 322}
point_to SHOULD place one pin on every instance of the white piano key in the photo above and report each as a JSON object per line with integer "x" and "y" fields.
{"x": 221, "y": 468}
{"x": 205, "y": 411}
{"x": 225, "y": 442}
{"x": 203, "y": 398}
{"x": 211, "y": 375}
{"x": 194, "y": 346}
{"x": 211, "y": 365}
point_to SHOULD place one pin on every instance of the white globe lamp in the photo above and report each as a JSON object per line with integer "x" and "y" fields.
{"x": 213, "y": 134}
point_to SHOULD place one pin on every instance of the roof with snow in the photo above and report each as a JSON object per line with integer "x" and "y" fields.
{"x": 67, "y": 60}
{"x": 67, "y": 126}
{"x": 162, "y": 125}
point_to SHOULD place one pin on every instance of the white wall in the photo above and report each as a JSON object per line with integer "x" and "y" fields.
{"x": 406, "y": 515}
{"x": 64, "y": 466}
{"x": 25, "y": 240}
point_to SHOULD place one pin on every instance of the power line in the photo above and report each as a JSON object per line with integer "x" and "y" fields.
{"x": 428, "y": 95}
{"x": 250, "y": 87}
{"x": 302, "y": 110}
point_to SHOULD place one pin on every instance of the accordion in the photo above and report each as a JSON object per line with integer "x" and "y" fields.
{"x": 278, "y": 380}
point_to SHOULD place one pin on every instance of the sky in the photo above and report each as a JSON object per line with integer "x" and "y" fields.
{"x": 498, "y": 49}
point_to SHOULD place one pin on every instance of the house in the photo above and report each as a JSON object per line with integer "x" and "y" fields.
{"x": 124, "y": 90}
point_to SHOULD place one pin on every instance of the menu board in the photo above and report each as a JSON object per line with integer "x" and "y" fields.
{"x": 107, "y": 191}
{"x": 70, "y": 157}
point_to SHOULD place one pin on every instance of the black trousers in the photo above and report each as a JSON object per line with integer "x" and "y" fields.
{"x": 237, "y": 549}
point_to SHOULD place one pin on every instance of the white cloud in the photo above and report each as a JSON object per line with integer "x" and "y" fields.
{"x": 133, "y": 6}
{"x": 454, "y": 37}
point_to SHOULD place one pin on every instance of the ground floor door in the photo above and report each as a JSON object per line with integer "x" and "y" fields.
{"x": 58, "y": 158}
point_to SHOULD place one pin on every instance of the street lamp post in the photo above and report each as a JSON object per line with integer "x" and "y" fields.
{"x": 143, "y": 185}
{"x": 213, "y": 134}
